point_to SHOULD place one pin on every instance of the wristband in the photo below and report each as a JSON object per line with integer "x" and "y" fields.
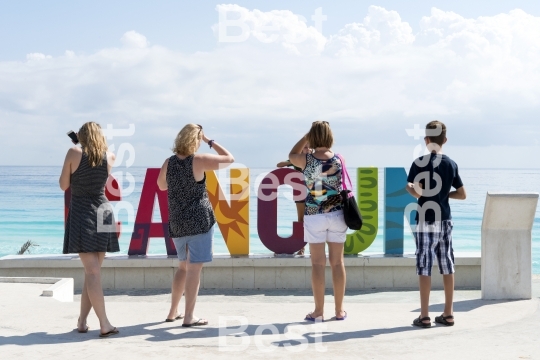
{"x": 210, "y": 142}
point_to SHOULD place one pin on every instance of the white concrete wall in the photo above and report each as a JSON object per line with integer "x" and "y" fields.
{"x": 253, "y": 272}
{"x": 506, "y": 245}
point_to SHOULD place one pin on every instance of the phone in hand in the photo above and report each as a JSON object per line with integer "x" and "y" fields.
{"x": 73, "y": 136}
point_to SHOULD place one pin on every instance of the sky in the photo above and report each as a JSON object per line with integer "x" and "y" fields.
{"x": 255, "y": 74}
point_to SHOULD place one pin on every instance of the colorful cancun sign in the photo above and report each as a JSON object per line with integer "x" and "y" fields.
{"x": 233, "y": 216}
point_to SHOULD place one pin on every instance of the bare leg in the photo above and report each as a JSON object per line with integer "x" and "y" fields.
{"x": 425, "y": 289}
{"x": 193, "y": 279}
{"x": 86, "y": 305}
{"x": 318, "y": 263}
{"x": 338, "y": 275}
{"x": 92, "y": 279}
{"x": 448, "y": 281}
{"x": 178, "y": 285}
{"x": 300, "y": 209}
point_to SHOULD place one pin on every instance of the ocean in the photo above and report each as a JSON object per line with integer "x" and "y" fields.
{"x": 32, "y": 208}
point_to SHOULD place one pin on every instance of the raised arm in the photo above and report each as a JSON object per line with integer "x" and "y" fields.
{"x": 296, "y": 157}
{"x": 211, "y": 161}
{"x": 111, "y": 158}
{"x": 283, "y": 164}
{"x": 70, "y": 163}
{"x": 162, "y": 178}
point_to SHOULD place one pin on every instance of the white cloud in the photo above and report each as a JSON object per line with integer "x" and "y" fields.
{"x": 371, "y": 80}
{"x": 379, "y": 29}
{"x": 134, "y": 39}
{"x": 278, "y": 27}
{"x": 37, "y": 56}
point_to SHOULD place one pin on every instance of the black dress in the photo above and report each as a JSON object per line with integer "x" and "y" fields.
{"x": 82, "y": 234}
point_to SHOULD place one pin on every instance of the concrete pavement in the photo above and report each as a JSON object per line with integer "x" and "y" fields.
{"x": 378, "y": 327}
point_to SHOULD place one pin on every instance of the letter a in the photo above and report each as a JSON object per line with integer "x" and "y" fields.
{"x": 144, "y": 227}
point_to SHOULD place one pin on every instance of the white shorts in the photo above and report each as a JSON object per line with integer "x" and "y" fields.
{"x": 323, "y": 228}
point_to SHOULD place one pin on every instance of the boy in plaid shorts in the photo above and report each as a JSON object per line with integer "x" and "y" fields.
{"x": 430, "y": 180}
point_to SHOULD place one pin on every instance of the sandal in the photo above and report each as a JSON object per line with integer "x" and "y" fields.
{"x": 114, "y": 331}
{"x": 309, "y": 317}
{"x": 420, "y": 322}
{"x": 199, "y": 322}
{"x": 443, "y": 320}
{"x": 343, "y": 317}
{"x": 82, "y": 331}
{"x": 176, "y": 318}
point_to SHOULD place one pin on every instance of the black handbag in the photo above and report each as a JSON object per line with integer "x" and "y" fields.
{"x": 351, "y": 213}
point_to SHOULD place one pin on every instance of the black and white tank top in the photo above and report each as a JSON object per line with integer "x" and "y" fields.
{"x": 190, "y": 211}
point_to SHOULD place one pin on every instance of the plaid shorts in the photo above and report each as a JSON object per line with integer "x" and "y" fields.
{"x": 434, "y": 239}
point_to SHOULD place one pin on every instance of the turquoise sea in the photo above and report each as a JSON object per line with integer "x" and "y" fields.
{"x": 31, "y": 208}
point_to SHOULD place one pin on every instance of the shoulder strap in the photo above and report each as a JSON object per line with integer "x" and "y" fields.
{"x": 345, "y": 174}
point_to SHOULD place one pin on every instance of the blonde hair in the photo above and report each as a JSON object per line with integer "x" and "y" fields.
{"x": 187, "y": 140}
{"x": 93, "y": 143}
{"x": 320, "y": 135}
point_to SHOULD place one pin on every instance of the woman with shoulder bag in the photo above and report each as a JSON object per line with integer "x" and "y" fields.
{"x": 323, "y": 221}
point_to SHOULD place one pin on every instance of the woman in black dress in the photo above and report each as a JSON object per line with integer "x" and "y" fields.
{"x": 88, "y": 228}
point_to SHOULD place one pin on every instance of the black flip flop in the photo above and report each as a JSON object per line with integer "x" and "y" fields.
{"x": 83, "y": 331}
{"x": 420, "y": 322}
{"x": 107, "y": 334}
{"x": 176, "y": 318}
{"x": 199, "y": 322}
{"x": 443, "y": 320}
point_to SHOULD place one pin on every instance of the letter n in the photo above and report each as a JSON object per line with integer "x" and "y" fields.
{"x": 144, "y": 228}
{"x": 233, "y": 218}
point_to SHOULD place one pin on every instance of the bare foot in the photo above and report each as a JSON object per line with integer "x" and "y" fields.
{"x": 314, "y": 316}
{"x": 82, "y": 327}
{"x": 174, "y": 316}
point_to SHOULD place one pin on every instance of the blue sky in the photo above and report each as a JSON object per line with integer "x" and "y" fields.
{"x": 54, "y": 26}
{"x": 377, "y": 68}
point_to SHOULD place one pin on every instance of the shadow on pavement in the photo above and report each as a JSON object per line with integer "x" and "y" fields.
{"x": 466, "y": 305}
{"x": 163, "y": 334}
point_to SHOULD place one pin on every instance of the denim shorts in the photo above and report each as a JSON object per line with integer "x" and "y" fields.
{"x": 200, "y": 247}
{"x": 321, "y": 228}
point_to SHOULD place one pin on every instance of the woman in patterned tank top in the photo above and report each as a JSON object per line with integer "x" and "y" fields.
{"x": 323, "y": 219}
{"x": 191, "y": 217}
{"x": 86, "y": 170}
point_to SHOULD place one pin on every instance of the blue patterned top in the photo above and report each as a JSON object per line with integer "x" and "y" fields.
{"x": 323, "y": 182}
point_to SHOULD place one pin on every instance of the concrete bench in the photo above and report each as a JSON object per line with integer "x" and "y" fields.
{"x": 506, "y": 245}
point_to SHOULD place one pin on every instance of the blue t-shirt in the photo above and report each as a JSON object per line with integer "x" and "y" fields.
{"x": 443, "y": 175}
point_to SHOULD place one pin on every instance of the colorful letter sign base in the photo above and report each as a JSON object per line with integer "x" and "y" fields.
{"x": 233, "y": 216}
{"x": 367, "y": 196}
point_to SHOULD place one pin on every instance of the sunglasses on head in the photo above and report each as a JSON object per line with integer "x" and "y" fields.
{"x": 324, "y": 122}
